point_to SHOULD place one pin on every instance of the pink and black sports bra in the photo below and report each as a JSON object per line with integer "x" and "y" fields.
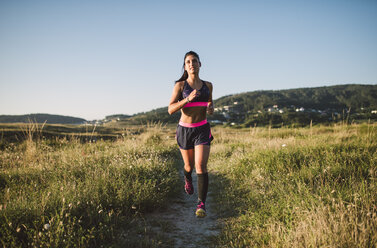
{"x": 201, "y": 100}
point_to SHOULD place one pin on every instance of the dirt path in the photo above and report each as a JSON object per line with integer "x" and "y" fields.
{"x": 186, "y": 230}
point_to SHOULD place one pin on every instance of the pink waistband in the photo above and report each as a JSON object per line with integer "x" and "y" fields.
{"x": 196, "y": 104}
{"x": 197, "y": 124}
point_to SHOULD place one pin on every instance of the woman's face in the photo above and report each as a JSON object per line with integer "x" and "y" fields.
{"x": 192, "y": 64}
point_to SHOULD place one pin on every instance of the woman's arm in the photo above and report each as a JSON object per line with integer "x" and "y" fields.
{"x": 176, "y": 105}
{"x": 210, "y": 101}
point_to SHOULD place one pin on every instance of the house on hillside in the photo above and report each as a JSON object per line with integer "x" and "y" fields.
{"x": 275, "y": 109}
{"x": 228, "y": 110}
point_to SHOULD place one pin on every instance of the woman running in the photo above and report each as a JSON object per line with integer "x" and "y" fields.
{"x": 193, "y": 97}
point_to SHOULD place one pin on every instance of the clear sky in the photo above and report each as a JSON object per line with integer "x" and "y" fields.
{"x": 91, "y": 59}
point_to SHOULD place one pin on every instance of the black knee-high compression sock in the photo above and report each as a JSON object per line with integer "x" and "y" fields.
{"x": 202, "y": 186}
{"x": 187, "y": 175}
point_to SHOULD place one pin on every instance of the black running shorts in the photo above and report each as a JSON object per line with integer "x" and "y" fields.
{"x": 188, "y": 137}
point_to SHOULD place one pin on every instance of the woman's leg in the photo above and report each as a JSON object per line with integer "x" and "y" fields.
{"x": 201, "y": 159}
{"x": 189, "y": 161}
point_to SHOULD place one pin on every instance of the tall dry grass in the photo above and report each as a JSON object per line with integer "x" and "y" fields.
{"x": 66, "y": 193}
{"x": 307, "y": 187}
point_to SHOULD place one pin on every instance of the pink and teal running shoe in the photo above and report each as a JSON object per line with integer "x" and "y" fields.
{"x": 189, "y": 188}
{"x": 200, "y": 210}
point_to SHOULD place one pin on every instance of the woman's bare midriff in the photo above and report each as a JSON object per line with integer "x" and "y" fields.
{"x": 193, "y": 114}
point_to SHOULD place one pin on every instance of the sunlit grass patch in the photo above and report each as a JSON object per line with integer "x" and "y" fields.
{"x": 270, "y": 187}
{"x": 69, "y": 193}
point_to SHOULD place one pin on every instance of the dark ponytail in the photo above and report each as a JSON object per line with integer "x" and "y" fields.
{"x": 183, "y": 77}
{"x": 185, "y": 74}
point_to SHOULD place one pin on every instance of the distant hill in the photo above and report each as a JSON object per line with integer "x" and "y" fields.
{"x": 302, "y": 105}
{"x": 330, "y": 97}
{"x": 41, "y": 118}
{"x": 117, "y": 116}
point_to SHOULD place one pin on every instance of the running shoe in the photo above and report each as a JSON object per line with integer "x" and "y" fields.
{"x": 189, "y": 188}
{"x": 201, "y": 210}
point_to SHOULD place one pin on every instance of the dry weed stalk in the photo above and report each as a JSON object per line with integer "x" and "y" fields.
{"x": 33, "y": 133}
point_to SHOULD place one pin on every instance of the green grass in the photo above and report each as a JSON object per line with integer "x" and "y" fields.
{"x": 60, "y": 193}
{"x": 288, "y": 187}
{"x": 296, "y": 188}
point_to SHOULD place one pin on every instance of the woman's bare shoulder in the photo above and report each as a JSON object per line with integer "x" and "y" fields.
{"x": 180, "y": 84}
{"x": 209, "y": 84}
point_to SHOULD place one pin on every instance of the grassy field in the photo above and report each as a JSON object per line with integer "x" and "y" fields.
{"x": 287, "y": 187}
{"x": 17, "y": 132}
{"x": 308, "y": 187}
{"x": 68, "y": 193}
